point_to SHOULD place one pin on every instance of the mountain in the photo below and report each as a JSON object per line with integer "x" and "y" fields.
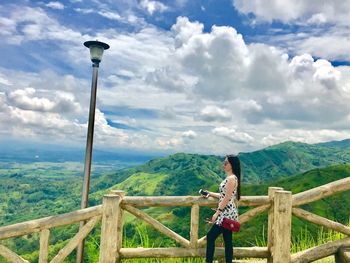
{"x": 177, "y": 174}
{"x": 288, "y": 158}
{"x": 344, "y": 144}
{"x": 42, "y": 191}
{"x": 202, "y": 171}
{"x": 24, "y": 152}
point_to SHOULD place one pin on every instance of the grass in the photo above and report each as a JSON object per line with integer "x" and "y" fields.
{"x": 301, "y": 242}
{"x": 306, "y": 240}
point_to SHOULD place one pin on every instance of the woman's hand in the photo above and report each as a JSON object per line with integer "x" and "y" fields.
{"x": 213, "y": 218}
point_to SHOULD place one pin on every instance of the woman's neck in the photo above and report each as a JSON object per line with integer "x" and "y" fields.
{"x": 229, "y": 174}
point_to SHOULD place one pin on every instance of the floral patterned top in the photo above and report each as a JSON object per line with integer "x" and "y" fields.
{"x": 230, "y": 211}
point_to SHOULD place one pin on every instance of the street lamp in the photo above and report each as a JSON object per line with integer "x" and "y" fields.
{"x": 96, "y": 52}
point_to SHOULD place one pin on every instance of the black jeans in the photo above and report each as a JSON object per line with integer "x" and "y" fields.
{"x": 212, "y": 235}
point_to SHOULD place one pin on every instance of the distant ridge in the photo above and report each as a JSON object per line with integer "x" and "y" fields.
{"x": 24, "y": 152}
{"x": 289, "y": 158}
{"x": 344, "y": 144}
{"x": 182, "y": 174}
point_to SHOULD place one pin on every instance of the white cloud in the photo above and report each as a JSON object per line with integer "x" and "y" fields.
{"x": 84, "y": 10}
{"x": 4, "y": 81}
{"x": 217, "y": 60}
{"x": 213, "y": 113}
{"x": 319, "y": 26}
{"x": 189, "y": 134}
{"x": 108, "y": 14}
{"x": 332, "y": 11}
{"x": 166, "y": 144}
{"x": 184, "y": 30}
{"x": 33, "y": 24}
{"x": 326, "y": 74}
{"x": 318, "y": 45}
{"x": 55, "y": 5}
{"x": 215, "y": 76}
{"x": 153, "y": 6}
{"x": 25, "y": 100}
{"x": 233, "y": 135}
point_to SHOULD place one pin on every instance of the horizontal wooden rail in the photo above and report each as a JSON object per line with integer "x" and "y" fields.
{"x": 142, "y": 201}
{"x": 320, "y": 252}
{"x": 37, "y": 225}
{"x": 319, "y": 220}
{"x": 241, "y": 252}
{"x": 322, "y": 191}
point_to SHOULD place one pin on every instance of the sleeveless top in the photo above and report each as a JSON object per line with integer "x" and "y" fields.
{"x": 230, "y": 211}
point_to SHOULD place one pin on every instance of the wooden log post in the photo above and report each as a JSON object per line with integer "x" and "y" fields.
{"x": 109, "y": 228}
{"x": 120, "y": 223}
{"x": 44, "y": 246}
{"x": 194, "y": 226}
{"x": 282, "y": 219}
{"x": 343, "y": 255}
{"x": 272, "y": 191}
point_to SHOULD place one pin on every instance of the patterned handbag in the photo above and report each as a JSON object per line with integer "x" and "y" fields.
{"x": 231, "y": 224}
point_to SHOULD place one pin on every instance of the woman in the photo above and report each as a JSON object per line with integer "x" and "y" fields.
{"x": 229, "y": 193}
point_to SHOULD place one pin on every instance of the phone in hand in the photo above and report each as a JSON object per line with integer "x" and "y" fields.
{"x": 204, "y": 193}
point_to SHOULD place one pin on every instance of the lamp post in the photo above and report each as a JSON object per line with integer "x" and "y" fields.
{"x": 96, "y": 52}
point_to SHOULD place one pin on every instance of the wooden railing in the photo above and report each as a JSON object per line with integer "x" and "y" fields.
{"x": 280, "y": 204}
{"x": 93, "y": 215}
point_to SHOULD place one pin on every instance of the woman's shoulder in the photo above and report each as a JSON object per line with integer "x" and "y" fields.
{"x": 232, "y": 177}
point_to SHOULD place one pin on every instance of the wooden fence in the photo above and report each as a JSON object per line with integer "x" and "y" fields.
{"x": 279, "y": 204}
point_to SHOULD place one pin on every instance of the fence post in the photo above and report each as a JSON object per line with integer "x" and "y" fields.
{"x": 194, "y": 226}
{"x": 343, "y": 255}
{"x": 282, "y": 223}
{"x": 120, "y": 223}
{"x": 44, "y": 246}
{"x": 271, "y": 194}
{"x": 109, "y": 228}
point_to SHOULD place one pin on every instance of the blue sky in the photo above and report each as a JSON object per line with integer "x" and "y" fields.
{"x": 211, "y": 77}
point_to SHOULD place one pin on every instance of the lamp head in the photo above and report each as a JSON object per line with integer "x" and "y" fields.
{"x": 96, "y": 50}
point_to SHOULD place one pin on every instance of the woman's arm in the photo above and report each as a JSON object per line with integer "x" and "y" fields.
{"x": 212, "y": 194}
{"x": 230, "y": 186}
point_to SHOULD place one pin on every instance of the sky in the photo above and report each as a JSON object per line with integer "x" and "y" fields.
{"x": 196, "y": 76}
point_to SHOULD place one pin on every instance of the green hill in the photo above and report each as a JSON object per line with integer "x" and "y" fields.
{"x": 344, "y": 144}
{"x": 290, "y": 158}
{"x": 266, "y": 165}
{"x": 45, "y": 193}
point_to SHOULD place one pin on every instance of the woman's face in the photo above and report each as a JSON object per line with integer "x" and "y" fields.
{"x": 227, "y": 165}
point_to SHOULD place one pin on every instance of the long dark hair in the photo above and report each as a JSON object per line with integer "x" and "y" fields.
{"x": 236, "y": 169}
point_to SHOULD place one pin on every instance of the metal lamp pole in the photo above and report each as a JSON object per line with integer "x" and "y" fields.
{"x": 96, "y": 52}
